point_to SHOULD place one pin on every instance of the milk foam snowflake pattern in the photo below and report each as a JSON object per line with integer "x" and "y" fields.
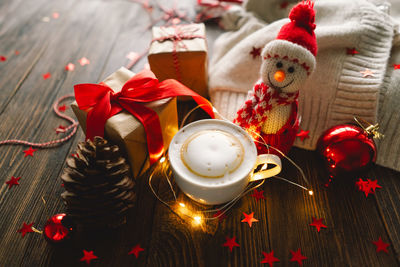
{"x": 271, "y": 109}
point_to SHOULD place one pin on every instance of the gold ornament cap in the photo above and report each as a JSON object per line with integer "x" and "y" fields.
{"x": 371, "y": 129}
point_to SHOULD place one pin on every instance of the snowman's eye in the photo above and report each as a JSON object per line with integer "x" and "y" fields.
{"x": 279, "y": 65}
{"x": 291, "y": 69}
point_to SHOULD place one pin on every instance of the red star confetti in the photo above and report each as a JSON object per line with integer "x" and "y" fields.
{"x": 84, "y": 61}
{"x": 13, "y": 181}
{"x": 16, "y": 52}
{"x": 132, "y": 56}
{"x": 380, "y": 245}
{"x": 373, "y": 185}
{"x": 368, "y": 187}
{"x": 249, "y": 218}
{"x": 55, "y": 15}
{"x": 60, "y": 129}
{"x": 396, "y": 66}
{"x": 351, "y": 51}
{"x": 62, "y": 108}
{"x": 367, "y": 73}
{"x": 296, "y": 256}
{"x": 303, "y": 134}
{"x": 258, "y": 194}
{"x": 269, "y": 258}
{"x": 220, "y": 215}
{"x": 70, "y": 67}
{"x": 255, "y": 52}
{"x": 46, "y": 76}
{"x": 361, "y": 184}
{"x": 29, "y": 152}
{"x": 136, "y": 250}
{"x": 318, "y": 223}
{"x": 3, "y": 58}
{"x": 88, "y": 256}
{"x": 284, "y": 4}
{"x": 231, "y": 243}
{"x": 26, "y": 228}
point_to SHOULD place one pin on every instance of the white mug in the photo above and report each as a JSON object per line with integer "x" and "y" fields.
{"x": 213, "y": 160}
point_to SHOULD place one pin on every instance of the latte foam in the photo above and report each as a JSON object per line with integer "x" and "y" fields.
{"x": 212, "y": 152}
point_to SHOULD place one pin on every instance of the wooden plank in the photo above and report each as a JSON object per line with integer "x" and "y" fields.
{"x": 21, "y": 33}
{"x": 388, "y": 202}
{"x": 107, "y": 31}
{"x": 133, "y": 36}
{"x": 94, "y": 39}
{"x": 114, "y": 250}
{"x": 175, "y": 241}
{"x": 353, "y": 221}
{"x": 25, "y": 11}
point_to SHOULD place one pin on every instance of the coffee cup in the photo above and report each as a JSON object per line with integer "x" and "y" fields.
{"x": 213, "y": 161}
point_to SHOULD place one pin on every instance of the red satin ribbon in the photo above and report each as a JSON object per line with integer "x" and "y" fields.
{"x": 144, "y": 87}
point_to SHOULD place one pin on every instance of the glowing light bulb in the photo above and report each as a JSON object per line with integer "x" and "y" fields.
{"x": 197, "y": 219}
{"x": 264, "y": 167}
{"x": 182, "y": 205}
{"x": 257, "y": 177}
{"x": 311, "y": 192}
{"x": 162, "y": 159}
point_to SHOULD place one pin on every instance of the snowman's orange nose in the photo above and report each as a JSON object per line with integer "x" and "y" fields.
{"x": 279, "y": 76}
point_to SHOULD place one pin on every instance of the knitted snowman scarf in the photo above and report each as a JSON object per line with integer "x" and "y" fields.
{"x": 259, "y": 102}
{"x": 295, "y": 43}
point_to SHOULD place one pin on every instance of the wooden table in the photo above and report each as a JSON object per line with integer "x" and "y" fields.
{"x": 105, "y": 32}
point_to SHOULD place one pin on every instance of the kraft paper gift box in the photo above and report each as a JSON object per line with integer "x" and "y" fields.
{"x": 180, "y": 52}
{"x": 127, "y": 132}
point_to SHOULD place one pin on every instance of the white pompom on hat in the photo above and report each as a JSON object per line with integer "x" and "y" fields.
{"x": 296, "y": 39}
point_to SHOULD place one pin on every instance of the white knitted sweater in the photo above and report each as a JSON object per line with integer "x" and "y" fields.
{"x": 337, "y": 90}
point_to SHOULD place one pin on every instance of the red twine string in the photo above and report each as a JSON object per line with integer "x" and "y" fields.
{"x": 73, "y": 127}
{"x": 173, "y": 15}
{"x": 180, "y": 34}
{"x": 213, "y": 9}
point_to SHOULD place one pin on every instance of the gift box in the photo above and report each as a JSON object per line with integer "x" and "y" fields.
{"x": 126, "y": 130}
{"x": 180, "y": 52}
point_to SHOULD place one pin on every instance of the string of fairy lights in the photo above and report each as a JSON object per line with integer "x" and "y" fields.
{"x": 198, "y": 217}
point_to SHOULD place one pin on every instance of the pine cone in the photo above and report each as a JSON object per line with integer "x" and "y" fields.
{"x": 99, "y": 190}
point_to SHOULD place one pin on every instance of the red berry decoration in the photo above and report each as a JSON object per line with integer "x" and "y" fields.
{"x": 57, "y": 229}
{"x": 348, "y": 148}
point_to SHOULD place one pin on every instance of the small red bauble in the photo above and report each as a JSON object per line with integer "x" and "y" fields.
{"x": 347, "y": 148}
{"x": 57, "y": 229}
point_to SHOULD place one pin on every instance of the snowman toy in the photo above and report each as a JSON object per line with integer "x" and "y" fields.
{"x": 270, "y": 113}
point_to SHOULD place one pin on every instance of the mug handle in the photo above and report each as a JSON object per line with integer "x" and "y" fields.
{"x": 266, "y": 159}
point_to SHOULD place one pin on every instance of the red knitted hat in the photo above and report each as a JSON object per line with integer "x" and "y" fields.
{"x": 300, "y": 29}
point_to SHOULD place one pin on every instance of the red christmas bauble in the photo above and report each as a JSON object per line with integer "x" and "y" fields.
{"x": 346, "y": 148}
{"x": 57, "y": 229}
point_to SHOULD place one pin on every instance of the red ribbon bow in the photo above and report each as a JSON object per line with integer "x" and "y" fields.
{"x": 144, "y": 87}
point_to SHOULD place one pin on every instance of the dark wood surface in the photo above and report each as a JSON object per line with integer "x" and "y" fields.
{"x": 104, "y": 32}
